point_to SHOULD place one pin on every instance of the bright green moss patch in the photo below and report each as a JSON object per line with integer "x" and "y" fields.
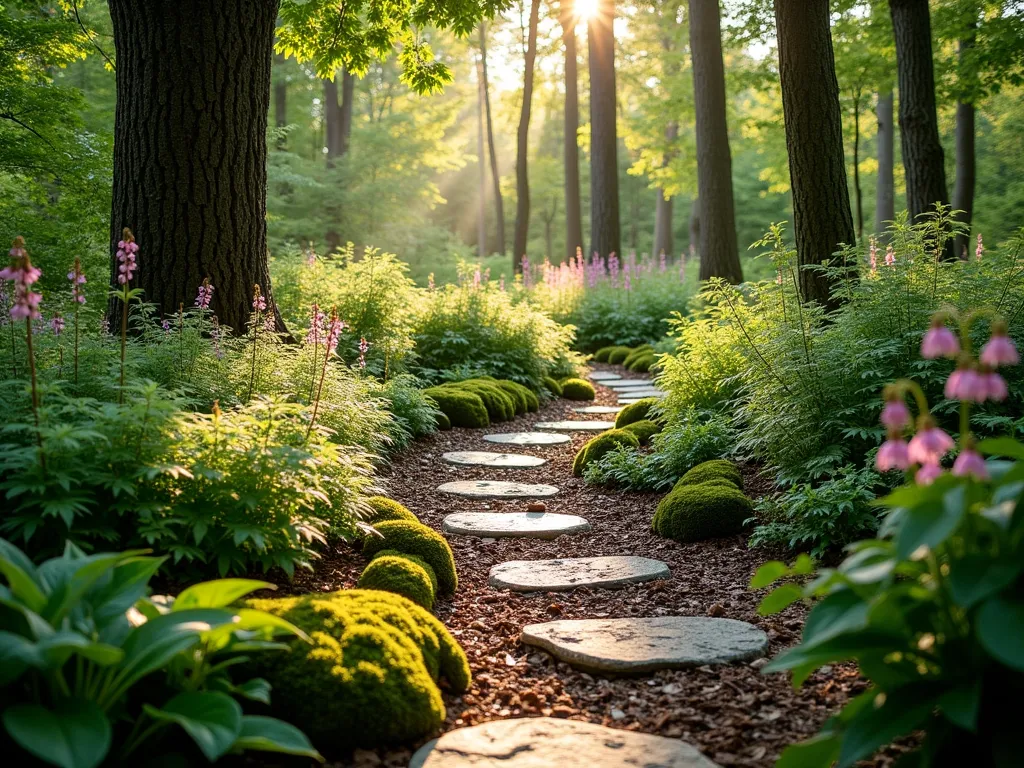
{"x": 644, "y": 430}
{"x": 417, "y": 539}
{"x": 462, "y": 407}
{"x": 713, "y": 470}
{"x": 636, "y": 353}
{"x": 617, "y": 355}
{"x": 500, "y": 407}
{"x": 638, "y": 411}
{"x": 643, "y": 363}
{"x": 443, "y": 422}
{"x": 517, "y": 393}
{"x": 597, "y": 447}
{"x": 553, "y": 386}
{"x": 382, "y": 508}
{"x": 601, "y": 356}
{"x": 702, "y": 511}
{"x": 577, "y": 389}
{"x": 401, "y": 575}
{"x": 414, "y": 558}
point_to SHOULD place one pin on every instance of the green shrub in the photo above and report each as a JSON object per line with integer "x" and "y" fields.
{"x": 443, "y": 422}
{"x": 382, "y": 508}
{"x": 644, "y": 430}
{"x": 417, "y": 539}
{"x": 643, "y": 363}
{"x": 638, "y": 411}
{"x": 578, "y": 389}
{"x": 617, "y": 355}
{"x": 500, "y": 407}
{"x": 553, "y": 386}
{"x": 369, "y": 677}
{"x": 636, "y": 353}
{"x": 462, "y": 407}
{"x": 601, "y": 356}
{"x": 703, "y": 511}
{"x": 414, "y": 415}
{"x": 401, "y": 576}
{"x": 431, "y": 574}
{"x": 711, "y": 470}
{"x": 526, "y": 400}
{"x": 598, "y": 446}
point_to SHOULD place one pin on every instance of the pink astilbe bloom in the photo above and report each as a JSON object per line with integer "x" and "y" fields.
{"x": 364, "y": 345}
{"x": 995, "y": 386}
{"x": 126, "y": 250}
{"x": 873, "y": 256}
{"x": 893, "y": 454}
{"x": 205, "y": 294}
{"x": 928, "y": 474}
{"x": 259, "y": 304}
{"x": 890, "y": 256}
{"x": 57, "y": 324}
{"x": 895, "y": 414}
{"x": 333, "y": 333}
{"x": 77, "y": 278}
{"x": 939, "y": 341}
{"x": 930, "y": 443}
{"x": 999, "y": 349}
{"x": 979, "y": 249}
{"x": 970, "y": 464}
{"x": 317, "y": 333}
{"x": 965, "y": 383}
{"x": 21, "y": 271}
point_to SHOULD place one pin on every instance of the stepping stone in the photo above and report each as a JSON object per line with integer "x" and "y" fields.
{"x": 543, "y": 742}
{"x": 627, "y": 383}
{"x": 601, "y": 409}
{"x": 631, "y": 400}
{"x": 576, "y": 426}
{"x": 491, "y": 459}
{"x": 636, "y": 646}
{"x": 526, "y": 525}
{"x": 641, "y": 393}
{"x": 572, "y": 572}
{"x": 496, "y": 489}
{"x": 527, "y": 438}
{"x": 603, "y": 376}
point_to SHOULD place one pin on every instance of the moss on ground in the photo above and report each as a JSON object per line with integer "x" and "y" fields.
{"x": 702, "y": 511}
{"x": 578, "y": 389}
{"x": 597, "y": 447}
{"x": 638, "y": 411}
{"x": 553, "y": 386}
{"x": 644, "y": 430}
{"x": 417, "y": 539}
{"x": 713, "y": 470}
{"x": 462, "y": 407}
{"x": 401, "y": 575}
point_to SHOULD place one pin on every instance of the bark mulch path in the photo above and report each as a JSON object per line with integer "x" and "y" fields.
{"x": 735, "y": 715}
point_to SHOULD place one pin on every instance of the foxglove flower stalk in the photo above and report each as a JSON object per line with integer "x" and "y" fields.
{"x": 890, "y": 256}
{"x": 979, "y": 249}
{"x": 259, "y": 303}
{"x": 364, "y": 345}
{"x": 895, "y": 414}
{"x": 999, "y": 349}
{"x": 939, "y": 341}
{"x": 126, "y": 250}
{"x": 995, "y": 385}
{"x": 873, "y": 256}
{"x": 26, "y": 307}
{"x": 77, "y": 278}
{"x": 965, "y": 383}
{"x": 204, "y": 295}
{"x": 333, "y": 334}
{"x": 57, "y": 324}
{"x": 930, "y": 443}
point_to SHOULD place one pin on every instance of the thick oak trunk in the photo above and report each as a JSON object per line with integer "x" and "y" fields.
{"x": 719, "y": 255}
{"x": 605, "y": 235}
{"x": 571, "y": 151}
{"x": 499, "y": 206}
{"x": 885, "y": 195}
{"x": 190, "y": 147}
{"x": 522, "y": 229}
{"x": 814, "y": 139}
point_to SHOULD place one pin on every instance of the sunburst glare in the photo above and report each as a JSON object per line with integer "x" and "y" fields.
{"x": 586, "y": 9}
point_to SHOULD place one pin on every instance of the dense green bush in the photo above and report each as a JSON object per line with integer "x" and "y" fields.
{"x": 431, "y": 574}
{"x": 443, "y": 422}
{"x": 618, "y": 355}
{"x": 713, "y": 470}
{"x": 369, "y": 678}
{"x": 636, "y": 353}
{"x": 643, "y": 363}
{"x": 702, "y": 511}
{"x": 601, "y": 355}
{"x": 461, "y": 407}
{"x": 500, "y": 406}
{"x": 414, "y": 415}
{"x": 578, "y": 389}
{"x": 526, "y": 400}
{"x": 597, "y": 447}
{"x": 638, "y": 411}
{"x": 417, "y": 539}
{"x": 382, "y": 509}
{"x": 553, "y": 386}
{"x": 400, "y": 575}
{"x": 644, "y": 430}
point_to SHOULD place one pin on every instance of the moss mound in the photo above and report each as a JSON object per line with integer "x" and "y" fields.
{"x": 414, "y": 558}
{"x": 417, "y": 539}
{"x": 715, "y": 469}
{"x": 634, "y": 412}
{"x": 442, "y": 421}
{"x": 527, "y": 394}
{"x": 577, "y": 389}
{"x": 601, "y": 356}
{"x": 518, "y": 394}
{"x": 369, "y": 677}
{"x": 644, "y": 430}
{"x": 702, "y": 511}
{"x": 382, "y": 508}
{"x": 597, "y": 447}
{"x": 553, "y": 386}
{"x": 398, "y": 574}
{"x": 462, "y": 407}
{"x": 636, "y": 353}
{"x": 617, "y": 355}
{"x": 644, "y": 363}
{"x": 500, "y": 406}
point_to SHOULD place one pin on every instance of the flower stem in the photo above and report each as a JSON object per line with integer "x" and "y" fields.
{"x": 124, "y": 339}
{"x": 35, "y": 391}
{"x": 76, "y": 343}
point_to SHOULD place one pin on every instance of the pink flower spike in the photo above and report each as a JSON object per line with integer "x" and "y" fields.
{"x": 929, "y": 445}
{"x": 892, "y": 455}
{"x": 928, "y": 474}
{"x": 966, "y": 384}
{"x": 999, "y": 350}
{"x": 970, "y": 464}
{"x": 890, "y": 256}
{"x": 979, "y": 250}
{"x": 995, "y": 386}
{"x": 895, "y": 414}
{"x": 939, "y": 341}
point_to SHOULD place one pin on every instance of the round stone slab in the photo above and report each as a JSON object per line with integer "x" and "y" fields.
{"x": 637, "y": 646}
{"x": 575, "y": 426}
{"x": 604, "y": 376}
{"x": 572, "y": 572}
{"x": 600, "y": 409}
{"x": 543, "y": 742}
{"x": 491, "y": 459}
{"x": 527, "y": 438}
{"x": 496, "y": 489}
{"x": 527, "y": 525}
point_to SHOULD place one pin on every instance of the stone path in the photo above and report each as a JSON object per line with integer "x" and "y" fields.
{"x": 627, "y": 383}
{"x": 603, "y": 376}
{"x": 572, "y": 572}
{"x": 527, "y": 438}
{"x": 575, "y": 426}
{"x": 497, "y": 489}
{"x": 545, "y": 742}
{"x": 603, "y": 410}
{"x": 529, "y": 525}
{"x": 631, "y": 400}
{"x": 491, "y": 459}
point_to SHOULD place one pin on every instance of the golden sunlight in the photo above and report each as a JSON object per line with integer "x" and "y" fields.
{"x": 586, "y": 9}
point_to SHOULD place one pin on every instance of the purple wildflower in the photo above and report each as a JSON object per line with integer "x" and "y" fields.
{"x": 21, "y": 271}
{"x": 364, "y": 345}
{"x": 126, "y": 250}
{"x": 970, "y": 464}
{"x": 939, "y": 341}
{"x": 57, "y": 324}
{"x": 205, "y": 294}
{"x": 928, "y": 474}
{"x": 966, "y": 384}
{"x": 895, "y": 414}
{"x": 999, "y": 349}
{"x": 893, "y": 454}
{"x": 930, "y": 443}
{"x": 890, "y": 256}
{"x": 979, "y": 249}
{"x": 259, "y": 304}
{"x": 77, "y": 278}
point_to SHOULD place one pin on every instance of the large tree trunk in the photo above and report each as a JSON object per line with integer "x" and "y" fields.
{"x": 348, "y": 94}
{"x": 963, "y": 186}
{"x": 663, "y": 205}
{"x": 719, "y": 255}
{"x": 814, "y": 138}
{"x": 857, "y": 193}
{"x": 190, "y": 148}
{"x": 605, "y": 236}
{"x": 885, "y": 195}
{"x": 573, "y": 208}
{"x": 694, "y": 226}
{"x": 280, "y": 100}
{"x": 332, "y": 121}
{"x": 499, "y": 207}
{"x": 919, "y": 128}
{"x": 522, "y": 230}
{"x": 481, "y": 228}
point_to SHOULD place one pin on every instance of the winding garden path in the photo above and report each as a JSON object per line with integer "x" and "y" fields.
{"x": 544, "y": 645}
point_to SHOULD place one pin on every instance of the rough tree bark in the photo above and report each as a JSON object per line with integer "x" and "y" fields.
{"x": 663, "y": 205}
{"x": 190, "y": 148}
{"x": 499, "y": 207}
{"x": 481, "y": 224}
{"x": 719, "y": 255}
{"x": 966, "y": 171}
{"x": 694, "y": 226}
{"x": 814, "y": 139}
{"x": 605, "y": 235}
{"x": 522, "y": 228}
{"x": 573, "y": 208}
{"x": 348, "y": 94}
{"x": 885, "y": 195}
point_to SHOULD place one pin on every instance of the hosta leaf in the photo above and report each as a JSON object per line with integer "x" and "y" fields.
{"x": 75, "y": 734}
{"x": 213, "y": 720}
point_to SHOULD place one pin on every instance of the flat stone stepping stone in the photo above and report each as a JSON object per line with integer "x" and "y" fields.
{"x": 627, "y": 383}
{"x": 526, "y": 525}
{"x": 631, "y": 400}
{"x": 637, "y": 646}
{"x": 497, "y": 489}
{"x": 603, "y": 376}
{"x": 527, "y": 438}
{"x": 641, "y": 393}
{"x": 491, "y": 459}
{"x": 601, "y": 409}
{"x": 545, "y": 742}
{"x": 571, "y": 572}
{"x": 576, "y": 426}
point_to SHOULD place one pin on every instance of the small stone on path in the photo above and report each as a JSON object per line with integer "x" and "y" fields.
{"x": 491, "y": 459}
{"x": 577, "y": 426}
{"x": 496, "y": 489}
{"x": 635, "y": 646}
{"x": 528, "y": 525}
{"x": 546, "y": 742}
{"x": 571, "y": 572}
{"x": 527, "y": 438}
{"x": 603, "y": 376}
{"x": 599, "y": 409}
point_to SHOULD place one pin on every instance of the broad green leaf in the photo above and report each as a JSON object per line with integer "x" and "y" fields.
{"x": 929, "y": 524}
{"x": 256, "y": 689}
{"x": 59, "y": 647}
{"x": 819, "y": 751}
{"x": 803, "y": 565}
{"x": 269, "y": 734}
{"x": 127, "y": 586}
{"x": 218, "y": 594}
{"x": 975, "y": 577}
{"x": 841, "y": 648}
{"x": 890, "y": 715}
{"x": 960, "y": 705}
{"x": 1002, "y": 446}
{"x": 779, "y": 599}
{"x": 21, "y": 576}
{"x": 213, "y": 720}
{"x": 16, "y": 655}
{"x": 768, "y": 573}
{"x": 1000, "y": 628}
{"x": 840, "y": 612}
{"x": 76, "y": 734}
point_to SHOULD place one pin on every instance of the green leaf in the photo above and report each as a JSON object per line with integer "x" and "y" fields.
{"x": 256, "y": 689}
{"x": 890, "y": 715}
{"x": 56, "y": 649}
{"x": 975, "y": 577}
{"x": 768, "y": 573}
{"x": 16, "y": 655}
{"x": 21, "y": 576}
{"x": 213, "y": 720}
{"x": 218, "y": 594}
{"x": 1000, "y": 627}
{"x": 929, "y": 524}
{"x": 75, "y": 734}
{"x": 269, "y": 734}
{"x": 960, "y": 705}
{"x": 842, "y": 611}
{"x": 819, "y": 751}
{"x": 780, "y": 599}
{"x": 1002, "y": 446}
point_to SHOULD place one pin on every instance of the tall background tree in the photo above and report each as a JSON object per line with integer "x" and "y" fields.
{"x": 885, "y": 187}
{"x": 499, "y": 206}
{"x": 522, "y": 229}
{"x": 605, "y": 234}
{"x": 567, "y": 17}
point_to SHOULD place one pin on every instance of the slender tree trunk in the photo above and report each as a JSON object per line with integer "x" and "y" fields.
{"x": 573, "y": 208}
{"x": 348, "y": 94}
{"x": 814, "y": 139}
{"x": 885, "y": 195}
{"x": 663, "y": 205}
{"x": 605, "y": 235}
{"x": 919, "y": 127}
{"x": 190, "y": 148}
{"x": 332, "y": 121}
{"x": 695, "y": 226}
{"x": 963, "y": 186}
{"x": 719, "y": 255}
{"x": 481, "y": 229}
{"x": 857, "y": 194}
{"x": 499, "y": 208}
{"x": 548, "y": 239}
{"x": 522, "y": 230}
{"x": 280, "y": 100}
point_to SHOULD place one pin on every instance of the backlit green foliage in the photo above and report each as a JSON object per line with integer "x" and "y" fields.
{"x": 553, "y": 386}
{"x": 417, "y": 539}
{"x": 601, "y": 355}
{"x": 462, "y": 407}
{"x": 401, "y": 576}
{"x": 644, "y": 430}
{"x": 596, "y": 447}
{"x": 382, "y": 508}
{"x": 618, "y": 355}
{"x": 637, "y": 411}
{"x": 499, "y": 404}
